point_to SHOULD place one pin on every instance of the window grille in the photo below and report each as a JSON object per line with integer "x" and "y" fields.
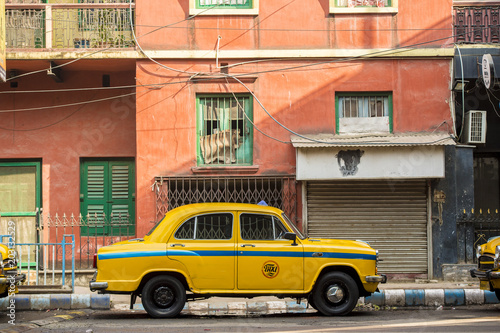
{"x": 226, "y": 131}
{"x": 363, "y": 106}
{"x": 363, "y": 3}
{"x": 276, "y": 191}
{"x": 224, "y": 3}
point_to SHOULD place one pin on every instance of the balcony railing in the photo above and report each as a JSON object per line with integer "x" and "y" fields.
{"x": 477, "y": 24}
{"x": 63, "y": 24}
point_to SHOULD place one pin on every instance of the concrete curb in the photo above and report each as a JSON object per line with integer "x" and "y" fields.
{"x": 56, "y": 301}
{"x": 394, "y": 298}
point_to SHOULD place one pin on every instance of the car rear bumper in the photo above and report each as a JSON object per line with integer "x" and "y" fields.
{"x": 94, "y": 286}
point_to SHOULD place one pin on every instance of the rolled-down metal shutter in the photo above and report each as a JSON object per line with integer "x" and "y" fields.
{"x": 390, "y": 215}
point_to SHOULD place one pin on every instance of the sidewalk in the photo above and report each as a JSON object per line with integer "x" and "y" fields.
{"x": 392, "y": 295}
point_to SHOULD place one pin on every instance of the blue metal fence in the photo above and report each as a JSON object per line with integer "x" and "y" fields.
{"x": 39, "y": 261}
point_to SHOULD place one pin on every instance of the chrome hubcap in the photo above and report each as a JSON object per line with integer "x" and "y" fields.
{"x": 334, "y": 293}
{"x": 163, "y": 296}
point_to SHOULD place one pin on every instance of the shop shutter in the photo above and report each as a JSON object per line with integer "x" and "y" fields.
{"x": 390, "y": 215}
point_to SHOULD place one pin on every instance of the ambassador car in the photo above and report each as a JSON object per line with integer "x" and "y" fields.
{"x": 241, "y": 250}
{"x": 488, "y": 270}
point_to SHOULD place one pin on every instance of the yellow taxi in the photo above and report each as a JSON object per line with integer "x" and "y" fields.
{"x": 241, "y": 250}
{"x": 488, "y": 270}
{"x": 9, "y": 276}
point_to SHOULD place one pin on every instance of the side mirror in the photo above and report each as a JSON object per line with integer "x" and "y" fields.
{"x": 291, "y": 236}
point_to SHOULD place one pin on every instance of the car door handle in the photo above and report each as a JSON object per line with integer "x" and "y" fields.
{"x": 249, "y": 245}
{"x": 174, "y": 245}
{"x": 317, "y": 254}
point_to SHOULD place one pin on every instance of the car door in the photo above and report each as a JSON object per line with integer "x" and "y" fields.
{"x": 266, "y": 261}
{"x": 206, "y": 246}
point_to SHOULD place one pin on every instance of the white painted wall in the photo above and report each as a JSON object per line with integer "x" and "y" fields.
{"x": 375, "y": 163}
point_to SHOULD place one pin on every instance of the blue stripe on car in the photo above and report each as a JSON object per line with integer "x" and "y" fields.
{"x": 202, "y": 253}
{"x": 119, "y": 255}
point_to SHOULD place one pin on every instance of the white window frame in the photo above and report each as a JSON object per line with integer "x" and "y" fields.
{"x": 223, "y": 11}
{"x": 334, "y": 9}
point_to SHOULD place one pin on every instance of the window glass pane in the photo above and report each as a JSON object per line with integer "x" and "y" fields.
{"x": 257, "y": 227}
{"x": 186, "y": 230}
{"x": 214, "y": 226}
{"x": 17, "y": 189}
{"x": 363, "y": 3}
{"x": 279, "y": 229}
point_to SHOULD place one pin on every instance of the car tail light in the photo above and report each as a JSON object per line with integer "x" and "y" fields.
{"x": 95, "y": 261}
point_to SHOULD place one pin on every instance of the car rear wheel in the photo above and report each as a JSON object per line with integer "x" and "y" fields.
{"x": 335, "y": 294}
{"x": 163, "y": 297}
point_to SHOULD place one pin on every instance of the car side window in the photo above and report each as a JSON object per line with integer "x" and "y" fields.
{"x": 261, "y": 227}
{"x": 209, "y": 226}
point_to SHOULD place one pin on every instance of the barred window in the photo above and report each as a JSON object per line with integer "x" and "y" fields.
{"x": 363, "y": 3}
{"x": 369, "y": 112}
{"x": 261, "y": 227}
{"x": 224, "y": 3}
{"x": 225, "y": 130}
{"x": 210, "y": 226}
{"x": 363, "y": 106}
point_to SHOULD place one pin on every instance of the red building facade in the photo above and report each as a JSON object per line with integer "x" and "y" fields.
{"x": 338, "y": 112}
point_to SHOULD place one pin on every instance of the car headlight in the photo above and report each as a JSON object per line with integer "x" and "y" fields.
{"x": 479, "y": 251}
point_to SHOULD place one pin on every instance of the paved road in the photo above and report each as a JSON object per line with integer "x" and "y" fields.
{"x": 462, "y": 319}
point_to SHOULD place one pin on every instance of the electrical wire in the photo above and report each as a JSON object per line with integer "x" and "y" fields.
{"x": 401, "y": 49}
{"x": 69, "y": 104}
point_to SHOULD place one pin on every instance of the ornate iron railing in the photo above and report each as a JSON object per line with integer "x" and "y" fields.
{"x": 473, "y": 229}
{"x": 69, "y": 24}
{"x": 476, "y": 24}
{"x": 277, "y": 191}
{"x": 91, "y": 233}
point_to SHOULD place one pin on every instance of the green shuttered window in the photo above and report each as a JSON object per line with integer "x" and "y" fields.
{"x": 107, "y": 198}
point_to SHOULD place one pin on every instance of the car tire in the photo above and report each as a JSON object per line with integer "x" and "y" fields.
{"x": 311, "y": 302}
{"x": 335, "y": 294}
{"x": 497, "y": 293}
{"x": 163, "y": 297}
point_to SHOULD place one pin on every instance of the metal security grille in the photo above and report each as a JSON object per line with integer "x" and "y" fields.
{"x": 25, "y": 28}
{"x": 363, "y": 106}
{"x": 69, "y": 23}
{"x": 477, "y": 24}
{"x": 279, "y": 191}
{"x": 224, "y": 3}
{"x": 225, "y": 130}
{"x": 363, "y": 3}
{"x": 476, "y": 126}
{"x": 390, "y": 215}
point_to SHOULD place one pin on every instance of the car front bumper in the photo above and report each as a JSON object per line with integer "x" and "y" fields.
{"x": 382, "y": 278}
{"x": 9, "y": 279}
{"x": 485, "y": 275}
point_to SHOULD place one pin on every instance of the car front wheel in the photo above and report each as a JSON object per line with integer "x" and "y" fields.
{"x": 335, "y": 294}
{"x": 163, "y": 297}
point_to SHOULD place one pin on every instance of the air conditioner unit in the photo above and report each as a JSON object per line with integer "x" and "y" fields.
{"x": 475, "y": 127}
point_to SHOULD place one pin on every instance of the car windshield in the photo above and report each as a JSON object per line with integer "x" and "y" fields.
{"x": 294, "y": 228}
